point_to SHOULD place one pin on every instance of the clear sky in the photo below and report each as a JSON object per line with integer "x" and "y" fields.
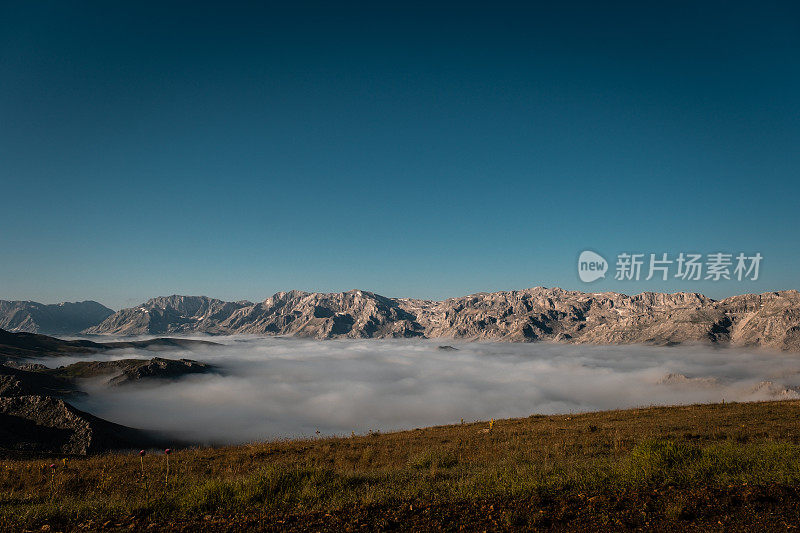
{"x": 235, "y": 151}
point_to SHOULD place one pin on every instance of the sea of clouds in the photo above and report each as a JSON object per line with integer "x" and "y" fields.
{"x": 268, "y": 388}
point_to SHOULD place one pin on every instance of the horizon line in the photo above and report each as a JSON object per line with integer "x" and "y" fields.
{"x": 631, "y": 295}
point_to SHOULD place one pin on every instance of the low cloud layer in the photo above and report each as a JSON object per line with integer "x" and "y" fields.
{"x": 272, "y": 388}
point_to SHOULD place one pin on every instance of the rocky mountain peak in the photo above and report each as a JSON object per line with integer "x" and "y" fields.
{"x": 539, "y": 313}
{"x": 59, "y": 319}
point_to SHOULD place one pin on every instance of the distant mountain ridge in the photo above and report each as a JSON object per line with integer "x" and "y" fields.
{"x": 770, "y": 319}
{"x": 22, "y": 345}
{"x": 56, "y": 319}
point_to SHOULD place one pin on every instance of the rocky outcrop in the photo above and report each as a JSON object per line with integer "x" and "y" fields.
{"x": 20, "y": 382}
{"x": 55, "y": 319}
{"x": 770, "y": 320}
{"x": 44, "y": 424}
{"x": 123, "y": 371}
{"x": 161, "y": 369}
{"x": 34, "y": 418}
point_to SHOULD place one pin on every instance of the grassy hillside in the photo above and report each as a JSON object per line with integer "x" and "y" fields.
{"x": 731, "y": 467}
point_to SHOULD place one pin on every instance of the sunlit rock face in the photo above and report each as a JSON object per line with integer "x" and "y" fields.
{"x": 771, "y": 319}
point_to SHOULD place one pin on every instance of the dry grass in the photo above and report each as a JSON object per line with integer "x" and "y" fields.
{"x": 711, "y": 445}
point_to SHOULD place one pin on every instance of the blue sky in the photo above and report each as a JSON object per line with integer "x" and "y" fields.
{"x": 235, "y": 151}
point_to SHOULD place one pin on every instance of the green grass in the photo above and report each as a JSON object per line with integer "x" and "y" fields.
{"x": 437, "y": 477}
{"x": 559, "y": 457}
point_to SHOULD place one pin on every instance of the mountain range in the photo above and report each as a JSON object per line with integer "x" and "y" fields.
{"x": 771, "y": 319}
{"x": 57, "y": 319}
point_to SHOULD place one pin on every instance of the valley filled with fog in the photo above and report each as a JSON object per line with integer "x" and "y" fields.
{"x": 268, "y": 388}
